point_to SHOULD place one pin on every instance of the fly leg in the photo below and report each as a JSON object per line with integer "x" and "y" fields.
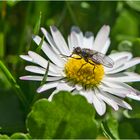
{"x": 64, "y": 56}
{"x": 81, "y": 67}
{"x": 93, "y": 67}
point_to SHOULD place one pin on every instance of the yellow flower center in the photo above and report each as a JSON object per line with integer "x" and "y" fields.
{"x": 80, "y": 72}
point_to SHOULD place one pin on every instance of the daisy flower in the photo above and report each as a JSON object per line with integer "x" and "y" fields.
{"x": 100, "y": 84}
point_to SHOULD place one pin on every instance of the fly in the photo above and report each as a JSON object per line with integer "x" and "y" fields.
{"x": 93, "y": 56}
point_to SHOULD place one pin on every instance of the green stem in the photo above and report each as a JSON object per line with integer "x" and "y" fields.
{"x": 14, "y": 84}
{"x": 36, "y": 96}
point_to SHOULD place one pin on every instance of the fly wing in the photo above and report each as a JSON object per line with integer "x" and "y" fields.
{"x": 102, "y": 59}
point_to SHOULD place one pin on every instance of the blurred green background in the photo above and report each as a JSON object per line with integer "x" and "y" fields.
{"x": 20, "y": 19}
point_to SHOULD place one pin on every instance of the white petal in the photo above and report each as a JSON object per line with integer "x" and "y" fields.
{"x": 135, "y": 97}
{"x": 49, "y": 52}
{"x": 70, "y": 44}
{"x": 54, "y": 78}
{"x": 116, "y": 91}
{"x": 47, "y": 86}
{"x": 36, "y": 58}
{"x": 127, "y": 65}
{"x": 51, "y": 41}
{"x": 116, "y": 84}
{"x": 91, "y": 97}
{"x": 135, "y": 78}
{"x": 39, "y": 78}
{"x": 131, "y": 73}
{"x": 106, "y": 97}
{"x": 35, "y": 69}
{"x": 40, "y": 70}
{"x": 99, "y": 105}
{"x": 119, "y": 101}
{"x": 87, "y": 95}
{"x": 101, "y": 38}
{"x": 118, "y": 63}
{"x": 59, "y": 40}
{"x": 73, "y": 40}
{"x": 78, "y": 87}
{"x": 64, "y": 86}
{"x": 26, "y": 57}
{"x": 117, "y": 56}
{"x": 106, "y": 46}
{"x": 88, "y": 40}
{"x": 32, "y": 78}
{"x": 78, "y": 34}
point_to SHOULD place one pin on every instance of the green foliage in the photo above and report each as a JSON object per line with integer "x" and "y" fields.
{"x": 126, "y": 131}
{"x": 2, "y": 45}
{"x": 126, "y": 32}
{"x": 125, "y": 46}
{"x": 135, "y": 113}
{"x": 20, "y": 136}
{"x": 136, "y": 47}
{"x": 112, "y": 124}
{"x": 67, "y": 116}
{"x": 37, "y": 25}
{"x": 105, "y": 133}
{"x": 110, "y": 127}
{"x": 13, "y": 83}
{"x": 17, "y": 135}
{"x": 4, "y": 137}
{"x": 134, "y": 5}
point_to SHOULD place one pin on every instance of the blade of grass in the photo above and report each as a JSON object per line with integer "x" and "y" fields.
{"x": 40, "y": 45}
{"x": 35, "y": 32}
{"x": 14, "y": 84}
{"x": 37, "y": 25}
{"x": 42, "y": 82}
{"x": 1, "y": 45}
{"x": 105, "y": 132}
{"x": 46, "y": 74}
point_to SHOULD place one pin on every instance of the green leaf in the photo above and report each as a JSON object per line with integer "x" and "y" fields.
{"x": 12, "y": 113}
{"x": 121, "y": 31}
{"x": 135, "y": 112}
{"x": 4, "y": 136}
{"x": 126, "y": 131}
{"x": 67, "y": 116}
{"x": 20, "y": 136}
{"x": 134, "y": 5}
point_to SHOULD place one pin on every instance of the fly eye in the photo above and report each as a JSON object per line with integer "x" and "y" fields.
{"x": 78, "y": 49}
